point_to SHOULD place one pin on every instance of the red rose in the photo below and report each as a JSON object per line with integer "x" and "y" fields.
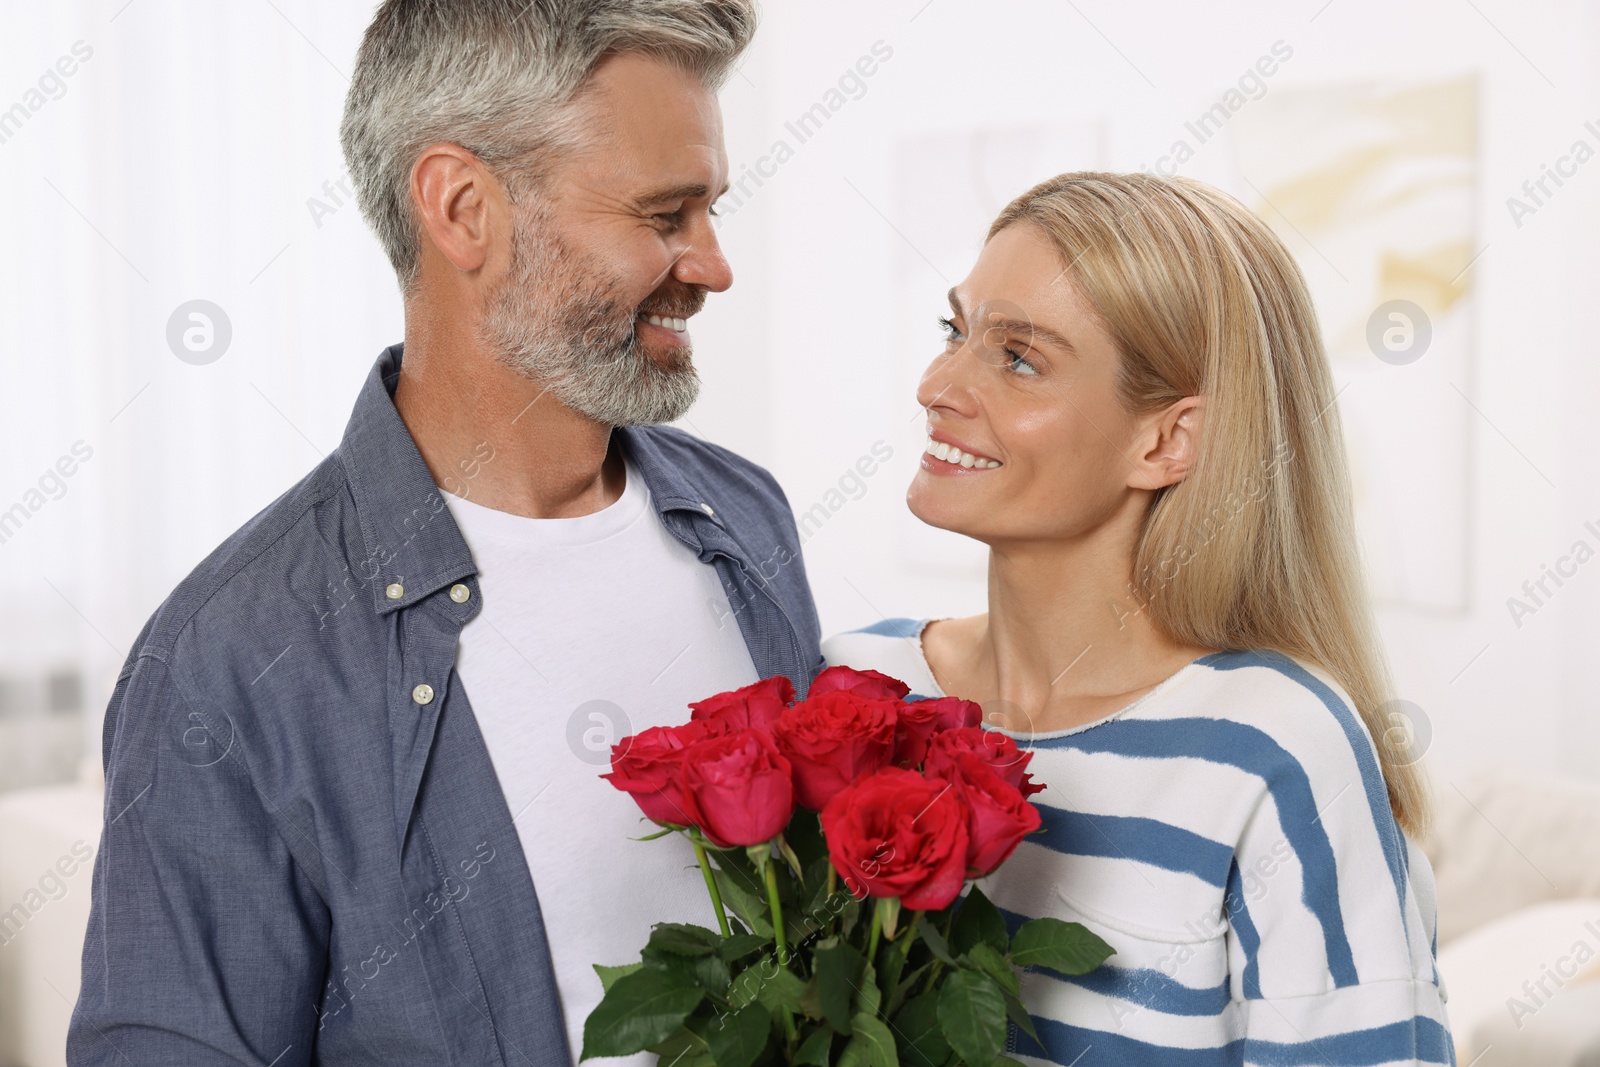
{"x": 998, "y": 815}
{"x": 898, "y": 834}
{"x": 921, "y": 719}
{"x": 754, "y": 706}
{"x": 862, "y": 683}
{"x": 739, "y": 787}
{"x": 833, "y": 739}
{"x": 1001, "y": 752}
{"x": 649, "y": 765}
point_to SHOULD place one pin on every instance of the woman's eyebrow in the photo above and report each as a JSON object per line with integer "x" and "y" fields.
{"x": 1021, "y": 326}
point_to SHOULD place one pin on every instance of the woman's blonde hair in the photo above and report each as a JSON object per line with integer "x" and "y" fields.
{"x": 1256, "y": 547}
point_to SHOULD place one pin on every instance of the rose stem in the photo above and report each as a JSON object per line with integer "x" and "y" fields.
{"x": 777, "y": 912}
{"x": 771, "y": 871}
{"x": 933, "y": 971}
{"x": 872, "y": 937}
{"x": 711, "y": 882}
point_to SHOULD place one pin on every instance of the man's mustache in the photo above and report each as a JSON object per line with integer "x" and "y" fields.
{"x": 688, "y": 305}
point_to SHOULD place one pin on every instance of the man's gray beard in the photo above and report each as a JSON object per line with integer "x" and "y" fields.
{"x": 555, "y": 320}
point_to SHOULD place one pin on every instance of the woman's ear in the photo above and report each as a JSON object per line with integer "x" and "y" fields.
{"x": 1167, "y": 445}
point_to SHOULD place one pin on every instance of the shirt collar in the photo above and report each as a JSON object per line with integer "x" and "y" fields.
{"x": 411, "y": 540}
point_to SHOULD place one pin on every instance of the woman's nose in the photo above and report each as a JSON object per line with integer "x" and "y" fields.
{"x": 947, "y": 383}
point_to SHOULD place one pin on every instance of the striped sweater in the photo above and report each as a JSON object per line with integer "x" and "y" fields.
{"x": 1229, "y": 835}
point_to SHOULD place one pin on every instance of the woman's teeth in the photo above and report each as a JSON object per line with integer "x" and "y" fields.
{"x": 951, "y": 454}
{"x": 668, "y": 321}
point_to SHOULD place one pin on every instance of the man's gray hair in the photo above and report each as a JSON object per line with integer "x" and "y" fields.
{"x": 498, "y": 78}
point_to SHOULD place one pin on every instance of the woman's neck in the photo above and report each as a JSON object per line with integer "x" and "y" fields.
{"x": 1065, "y": 641}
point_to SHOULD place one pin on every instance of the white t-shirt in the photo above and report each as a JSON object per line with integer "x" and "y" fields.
{"x": 592, "y": 628}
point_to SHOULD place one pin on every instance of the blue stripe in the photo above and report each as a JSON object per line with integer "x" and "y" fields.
{"x": 1143, "y": 986}
{"x": 1418, "y": 1040}
{"x": 1371, "y": 774}
{"x": 1159, "y": 844}
{"x": 1150, "y": 988}
{"x": 898, "y": 627}
{"x": 1078, "y": 1045}
{"x": 1254, "y": 752}
{"x": 1245, "y": 928}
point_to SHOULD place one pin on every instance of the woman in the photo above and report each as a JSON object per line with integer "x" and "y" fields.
{"x": 1133, "y": 410}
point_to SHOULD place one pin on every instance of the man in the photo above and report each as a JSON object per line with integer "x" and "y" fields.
{"x": 353, "y": 812}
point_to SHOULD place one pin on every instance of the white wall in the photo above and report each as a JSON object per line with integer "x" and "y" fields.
{"x": 179, "y": 161}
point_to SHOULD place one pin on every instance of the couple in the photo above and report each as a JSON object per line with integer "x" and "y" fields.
{"x": 353, "y": 806}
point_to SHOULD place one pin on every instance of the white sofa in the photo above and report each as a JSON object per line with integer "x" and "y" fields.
{"x": 48, "y": 839}
{"x": 1516, "y": 855}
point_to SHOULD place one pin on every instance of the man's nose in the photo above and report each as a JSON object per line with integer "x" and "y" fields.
{"x": 703, "y": 265}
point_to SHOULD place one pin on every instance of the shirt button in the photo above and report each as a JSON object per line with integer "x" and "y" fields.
{"x": 395, "y": 591}
{"x": 460, "y": 593}
{"x": 423, "y": 694}
{"x": 707, "y": 509}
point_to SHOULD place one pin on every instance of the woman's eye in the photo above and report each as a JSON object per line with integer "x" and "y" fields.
{"x": 1018, "y": 361}
{"x": 1014, "y": 361}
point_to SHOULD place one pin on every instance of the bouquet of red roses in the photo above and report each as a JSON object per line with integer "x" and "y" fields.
{"x": 839, "y": 832}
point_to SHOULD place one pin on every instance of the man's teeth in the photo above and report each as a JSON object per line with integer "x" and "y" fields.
{"x": 668, "y": 321}
{"x": 953, "y": 455}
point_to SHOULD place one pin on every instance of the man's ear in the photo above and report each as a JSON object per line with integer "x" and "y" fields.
{"x": 1167, "y": 445}
{"x": 460, "y": 205}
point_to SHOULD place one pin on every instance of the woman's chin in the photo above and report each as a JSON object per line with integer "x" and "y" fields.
{"x": 933, "y": 501}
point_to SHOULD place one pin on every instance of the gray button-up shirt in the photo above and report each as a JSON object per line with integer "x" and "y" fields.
{"x": 307, "y": 857}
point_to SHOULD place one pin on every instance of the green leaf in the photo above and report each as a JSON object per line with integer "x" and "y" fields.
{"x": 683, "y": 939}
{"x": 916, "y": 1028}
{"x": 738, "y": 893}
{"x": 737, "y": 1038}
{"x": 1070, "y": 948}
{"x": 838, "y": 968}
{"x": 708, "y": 972}
{"x": 936, "y": 943}
{"x": 609, "y": 975}
{"x": 639, "y": 1010}
{"x": 804, "y": 834}
{"x": 868, "y": 996}
{"x": 817, "y": 881}
{"x": 871, "y": 1046}
{"x": 978, "y": 921}
{"x": 903, "y": 988}
{"x": 983, "y": 957}
{"x": 889, "y": 977}
{"x": 739, "y": 946}
{"x": 813, "y": 1051}
{"x": 776, "y": 987}
{"x": 663, "y": 832}
{"x": 850, "y": 915}
{"x": 972, "y": 1016}
{"x": 783, "y": 990}
{"x": 684, "y": 1047}
{"x": 1017, "y": 1013}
